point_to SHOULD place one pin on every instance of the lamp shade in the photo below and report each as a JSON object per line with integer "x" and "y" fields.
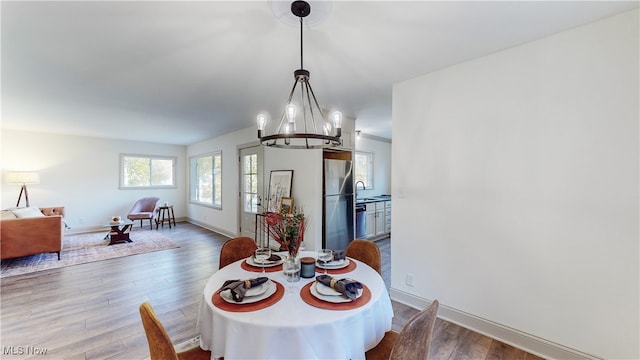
{"x": 22, "y": 177}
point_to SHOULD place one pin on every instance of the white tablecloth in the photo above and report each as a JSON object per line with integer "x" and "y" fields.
{"x": 292, "y": 329}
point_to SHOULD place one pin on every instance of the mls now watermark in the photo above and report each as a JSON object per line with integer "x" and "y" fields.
{"x": 23, "y": 350}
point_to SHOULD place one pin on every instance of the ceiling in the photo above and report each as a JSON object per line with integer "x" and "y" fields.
{"x": 180, "y": 72}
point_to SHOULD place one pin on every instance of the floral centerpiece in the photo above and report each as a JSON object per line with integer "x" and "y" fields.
{"x": 287, "y": 229}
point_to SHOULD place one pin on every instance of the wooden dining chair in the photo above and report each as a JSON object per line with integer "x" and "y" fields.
{"x": 236, "y": 249}
{"x": 367, "y": 252}
{"x": 160, "y": 346}
{"x": 413, "y": 341}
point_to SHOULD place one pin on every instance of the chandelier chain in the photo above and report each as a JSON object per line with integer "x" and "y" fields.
{"x": 301, "y": 47}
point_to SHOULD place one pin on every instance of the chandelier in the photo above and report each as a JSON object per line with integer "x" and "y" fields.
{"x": 303, "y": 124}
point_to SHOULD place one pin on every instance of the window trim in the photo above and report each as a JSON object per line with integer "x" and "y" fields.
{"x": 174, "y": 162}
{"x": 192, "y": 158}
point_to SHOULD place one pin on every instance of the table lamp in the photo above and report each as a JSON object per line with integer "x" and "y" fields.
{"x": 24, "y": 178}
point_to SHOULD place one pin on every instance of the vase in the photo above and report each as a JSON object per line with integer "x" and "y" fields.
{"x": 291, "y": 268}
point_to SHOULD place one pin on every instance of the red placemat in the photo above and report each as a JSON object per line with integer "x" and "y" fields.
{"x": 352, "y": 266}
{"x": 220, "y": 303}
{"x": 307, "y": 296}
{"x": 248, "y": 267}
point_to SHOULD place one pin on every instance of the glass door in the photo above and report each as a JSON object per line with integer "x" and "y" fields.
{"x": 251, "y": 180}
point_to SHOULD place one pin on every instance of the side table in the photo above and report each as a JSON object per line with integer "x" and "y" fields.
{"x": 119, "y": 232}
{"x": 166, "y": 210}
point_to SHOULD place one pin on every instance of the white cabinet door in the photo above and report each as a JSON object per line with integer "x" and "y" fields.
{"x": 380, "y": 218}
{"x": 371, "y": 221}
{"x": 380, "y": 222}
{"x": 387, "y": 217}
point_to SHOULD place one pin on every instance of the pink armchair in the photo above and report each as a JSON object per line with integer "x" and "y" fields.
{"x": 145, "y": 209}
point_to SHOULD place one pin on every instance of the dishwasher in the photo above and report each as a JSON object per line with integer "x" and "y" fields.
{"x": 361, "y": 221}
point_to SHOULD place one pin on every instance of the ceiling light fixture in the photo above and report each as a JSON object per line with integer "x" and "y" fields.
{"x": 303, "y": 124}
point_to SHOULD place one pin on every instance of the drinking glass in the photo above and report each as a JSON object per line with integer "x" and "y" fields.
{"x": 291, "y": 269}
{"x": 326, "y": 256}
{"x": 261, "y": 255}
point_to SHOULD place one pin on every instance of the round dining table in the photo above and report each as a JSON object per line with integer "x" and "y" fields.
{"x": 292, "y": 323}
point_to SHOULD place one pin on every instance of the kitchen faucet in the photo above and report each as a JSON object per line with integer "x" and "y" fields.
{"x": 363, "y": 187}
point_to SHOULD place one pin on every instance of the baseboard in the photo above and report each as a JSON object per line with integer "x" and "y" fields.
{"x": 530, "y": 343}
{"x": 212, "y": 228}
{"x": 85, "y": 230}
{"x": 75, "y": 230}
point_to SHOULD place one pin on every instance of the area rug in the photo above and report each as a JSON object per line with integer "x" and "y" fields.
{"x": 85, "y": 248}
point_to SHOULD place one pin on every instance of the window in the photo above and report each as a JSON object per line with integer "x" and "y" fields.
{"x": 206, "y": 179}
{"x": 250, "y": 182}
{"x": 144, "y": 171}
{"x": 364, "y": 168}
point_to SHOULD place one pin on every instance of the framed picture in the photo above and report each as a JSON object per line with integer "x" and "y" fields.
{"x": 279, "y": 186}
{"x": 286, "y": 205}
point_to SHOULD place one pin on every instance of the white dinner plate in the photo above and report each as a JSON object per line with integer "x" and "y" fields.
{"x": 251, "y": 261}
{"x": 330, "y": 298}
{"x": 264, "y": 291}
{"x": 334, "y": 264}
{"x": 327, "y": 290}
{"x": 258, "y": 290}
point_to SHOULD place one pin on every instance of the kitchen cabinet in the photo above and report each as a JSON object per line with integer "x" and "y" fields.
{"x": 378, "y": 219}
{"x": 371, "y": 220}
{"x": 380, "y": 222}
{"x": 387, "y": 217}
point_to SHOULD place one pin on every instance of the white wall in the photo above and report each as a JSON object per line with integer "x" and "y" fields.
{"x": 306, "y": 189}
{"x": 381, "y": 151}
{"x": 307, "y": 166}
{"x": 223, "y": 220}
{"x": 82, "y": 174}
{"x": 307, "y": 186}
{"x": 516, "y": 188}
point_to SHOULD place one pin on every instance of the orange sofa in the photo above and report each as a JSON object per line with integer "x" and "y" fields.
{"x": 32, "y": 235}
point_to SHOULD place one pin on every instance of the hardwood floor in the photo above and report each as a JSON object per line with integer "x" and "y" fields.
{"x": 90, "y": 311}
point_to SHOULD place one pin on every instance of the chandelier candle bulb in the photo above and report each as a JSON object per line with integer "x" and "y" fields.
{"x": 291, "y": 113}
{"x": 337, "y": 119}
{"x": 262, "y": 120}
{"x": 337, "y": 122}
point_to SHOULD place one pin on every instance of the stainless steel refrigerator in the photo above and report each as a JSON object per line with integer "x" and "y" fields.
{"x": 338, "y": 224}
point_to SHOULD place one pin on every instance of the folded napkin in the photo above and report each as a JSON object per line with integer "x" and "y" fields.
{"x": 347, "y": 287}
{"x": 274, "y": 258}
{"x": 338, "y": 255}
{"x": 239, "y": 287}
